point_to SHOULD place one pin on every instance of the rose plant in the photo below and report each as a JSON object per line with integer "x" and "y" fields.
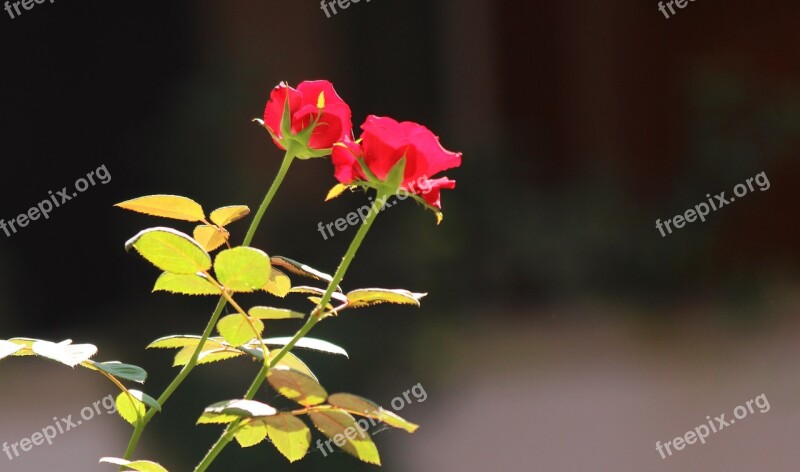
{"x": 310, "y": 121}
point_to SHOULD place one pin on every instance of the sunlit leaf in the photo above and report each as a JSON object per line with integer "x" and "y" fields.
{"x": 296, "y": 386}
{"x": 208, "y": 355}
{"x": 185, "y": 284}
{"x": 308, "y": 343}
{"x": 228, "y": 214}
{"x": 293, "y": 362}
{"x": 8, "y": 348}
{"x": 231, "y": 410}
{"x": 342, "y": 427}
{"x": 130, "y": 407}
{"x": 167, "y": 206}
{"x": 27, "y": 346}
{"x": 252, "y": 433}
{"x": 299, "y": 268}
{"x": 210, "y": 237}
{"x": 122, "y": 371}
{"x": 140, "y": 466}
{"x": 171, "y": 251}
{"x": 238, "y": 330}
{"x": 338, "y": 296}
{"x": 65, "y": 352}
{"x": 373, "y": 296}
{"x": 289, "y": 435}
{"x": 177, "y": 341}
{"x": 278, "y": 284}
{"x": 335, "y": 191}
{"x": 363, "y": 407}
{"x": 267, "y": 313}
{"x": 242, "y": 269}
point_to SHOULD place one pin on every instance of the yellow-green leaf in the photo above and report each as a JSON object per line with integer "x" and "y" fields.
{"x": 210, "y": 237}
{"x": 27, "y": 346}
{"x": 296, "y": 386}
{"x": 242, "y": 269}
{"x": 278, "y": 284}
{"x": 335, "y": 191}
{"x": 298, "y": 268}
{"x": 289, "y": 435}
{"x": 252, "y": 433}
{"x": 130, "y": 408}
{"x": 338, "y": 296}
{"x": 185, "y": 284}
{"x": 363, "y": 407}
{"x": 208, "y": 355}
{"x": 268, "y": 313}
{"x": 346, "y": 433}
{"x": 228, "y": 214}
{"x": 139, "y": 466}
{"x": 178, "y": 341}
{"x": 373, "y": 296}
{"x": 167, "y": 206}
{"x": 293, "y": 362}
{"x": 171, "y": 251}
{"x": 238, "y": 329}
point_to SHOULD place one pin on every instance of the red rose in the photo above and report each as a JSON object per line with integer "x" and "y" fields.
{"x": 311, "y": 99}
{"x": 383, "y": 143}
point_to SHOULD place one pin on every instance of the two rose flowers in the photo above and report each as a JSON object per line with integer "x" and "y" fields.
{"x": 313, "y": 121}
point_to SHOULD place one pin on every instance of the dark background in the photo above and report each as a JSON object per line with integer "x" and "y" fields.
{"x": 581, "y": 123}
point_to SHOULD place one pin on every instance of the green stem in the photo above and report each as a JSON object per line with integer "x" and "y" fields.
{"x": 314, "y": 318}
{"x": 173, "y": 386}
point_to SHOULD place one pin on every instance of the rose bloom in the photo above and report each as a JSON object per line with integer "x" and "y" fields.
{"x": 383, "y": 143}
{"x": 334, "y": 125}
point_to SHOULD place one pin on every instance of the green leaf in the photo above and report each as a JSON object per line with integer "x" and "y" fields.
{"x": 65, "y": 352}
{"x": 372, "y": 296}
{"x": 146, "y": 399}
{"x": 171, "y": 251}
{"x": 296, "y": 386}
{"x": 167, "y": 206}
{"x": 185, "y": 284}
{"x": 267, "y": 313}
{"x": 252, "y": 433}
{"x": 346, "y": 433}
{"x": 228, "y": 214}
{"x": 308, "y": 343}
{"x": 231, "y": 410}
{"x": 278, "y": 284}
{"x": 210, "y": 237}
{"x": 140, "y": 466}
{"x": 242, "y": 269}
{"x": 8, "y": 348}
{"x": 289, "y": 435}
{"x": 363, "y": 407}
{"x": 298, "y": 268}
{"x": 237, "y": 330}
{"x": 122, "y": 371}
{"x": 130, "y": 407}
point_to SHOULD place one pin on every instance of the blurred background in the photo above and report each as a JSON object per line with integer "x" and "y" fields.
{"x": 562, "y": 331}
